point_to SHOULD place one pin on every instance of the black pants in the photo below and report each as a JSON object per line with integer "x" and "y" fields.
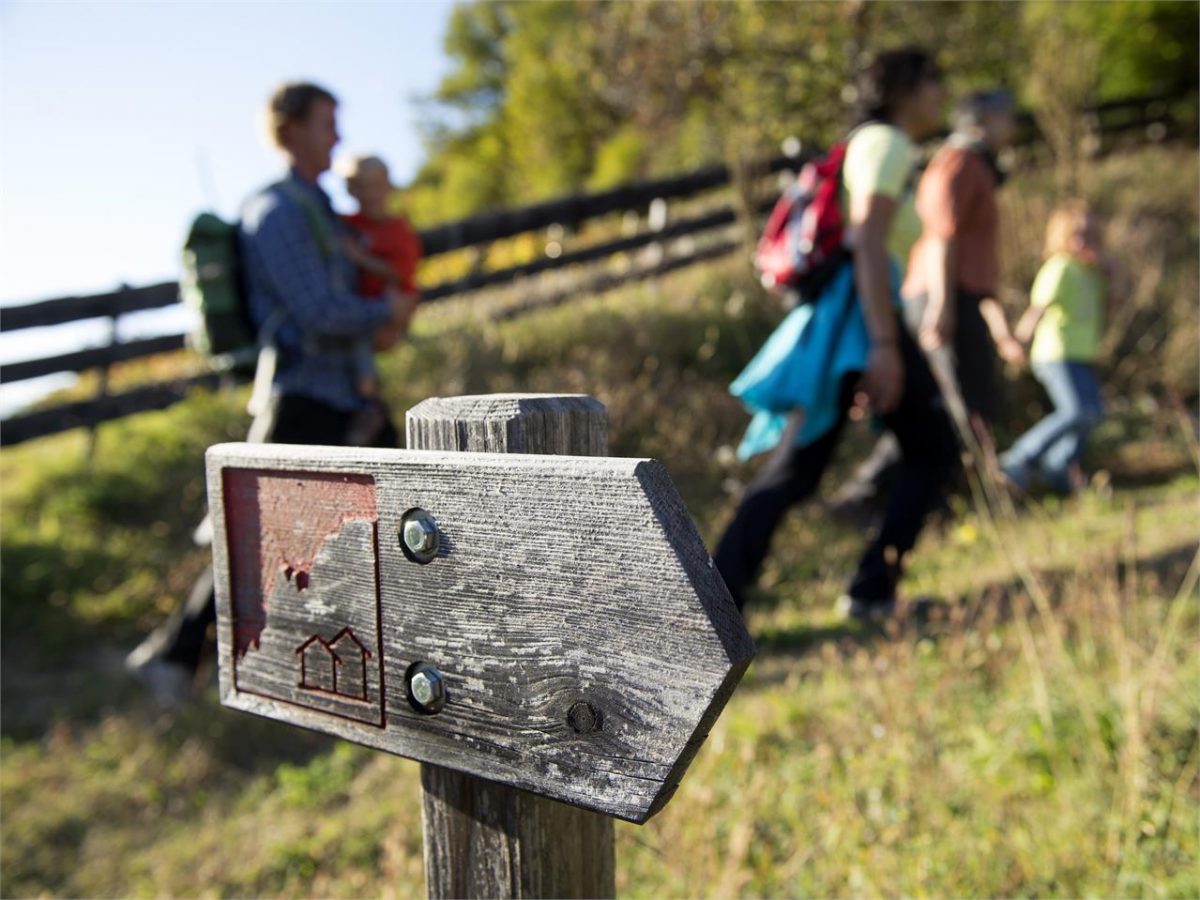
{"x": 297, "y": 420}
{"x": 975, "y": 367}
{"x": 929, "y": 456}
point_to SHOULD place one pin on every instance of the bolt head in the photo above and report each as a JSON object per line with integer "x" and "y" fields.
{"x": 419, "y": 535}
{"x": 427, "y": 688}
{"x": 422, "y": 688}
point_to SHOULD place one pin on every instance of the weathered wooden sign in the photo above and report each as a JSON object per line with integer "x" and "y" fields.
{"x": 553, "y": 623}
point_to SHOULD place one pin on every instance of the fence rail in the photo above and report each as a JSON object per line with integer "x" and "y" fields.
{"x": 1113, "y": 118}
{"x": 104, "y": 408}
{"x": 94, "y": 306}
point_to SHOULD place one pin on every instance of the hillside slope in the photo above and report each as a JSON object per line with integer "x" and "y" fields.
{"x": 1038, "y": 735}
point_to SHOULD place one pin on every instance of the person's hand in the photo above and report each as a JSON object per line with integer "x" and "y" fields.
{"x": 354, "y": 251}
{"x": 936, "y": 331}
{"x": 882, "y": 384}
{"x": 386, "y": 337}
{"x": 401, "y": 303}
{"x": 1012, "y": 351}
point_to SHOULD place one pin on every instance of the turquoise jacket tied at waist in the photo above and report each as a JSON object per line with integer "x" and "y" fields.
{"x": 802, "y": 364}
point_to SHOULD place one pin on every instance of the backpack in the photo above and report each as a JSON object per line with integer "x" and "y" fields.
{"x": 213, "y": 284}
{"x": 802, "y": 246}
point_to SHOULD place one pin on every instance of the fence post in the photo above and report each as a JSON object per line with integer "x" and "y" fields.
{"x": 484, "y": 839}
{"x": 102, "y": 389}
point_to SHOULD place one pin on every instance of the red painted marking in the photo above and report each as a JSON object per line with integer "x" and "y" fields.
{"x": 277, "y": 522}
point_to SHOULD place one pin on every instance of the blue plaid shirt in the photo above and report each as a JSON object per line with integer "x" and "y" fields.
{"x": 322, "y": 318}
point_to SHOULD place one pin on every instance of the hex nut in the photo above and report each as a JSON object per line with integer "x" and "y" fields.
{"x": 419, "y": 537}
{"x": 426, "y": 688}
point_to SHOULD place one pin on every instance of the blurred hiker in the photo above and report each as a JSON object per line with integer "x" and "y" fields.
{"x": 385, "y": 250}
{"x": 847, "y": 349}
{"x": 951, "y": 281}
{"x": 309, "y": 320}
{"x": 1064, "y": 322}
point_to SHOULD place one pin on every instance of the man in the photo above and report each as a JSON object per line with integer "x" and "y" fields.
{"x": 300, "y": 293}
{"x": 951, "y": 281}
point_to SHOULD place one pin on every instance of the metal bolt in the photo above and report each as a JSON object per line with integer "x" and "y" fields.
{"x": 426, "y": 688}
{"x": 419, "y": 536}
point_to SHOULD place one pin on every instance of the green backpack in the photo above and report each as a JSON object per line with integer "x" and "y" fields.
{"x": 213, "y": 284}
{"x": 212, "y": 287}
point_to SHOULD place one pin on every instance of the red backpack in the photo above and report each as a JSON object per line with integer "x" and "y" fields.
{"x": 803, "y": 244}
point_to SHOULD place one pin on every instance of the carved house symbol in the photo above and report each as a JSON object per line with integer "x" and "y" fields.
{"x": 321, "y": 660}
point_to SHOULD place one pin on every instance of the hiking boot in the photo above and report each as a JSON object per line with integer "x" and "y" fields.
{"x": 1016, "y": 478}
{"x": 848, "y": 607}
{"x": 918, "y": 609}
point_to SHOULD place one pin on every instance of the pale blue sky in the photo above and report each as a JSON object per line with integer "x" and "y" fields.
{"x": 119, "y": 121}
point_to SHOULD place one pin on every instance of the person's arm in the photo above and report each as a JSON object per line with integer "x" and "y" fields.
{"x": 1009, "y": 348}
{"x": 372, "y": 265}
{"x": 278, "y": 234}
{"x": 883, "y": 381}
{"x": 1028, "y": 324}
{"x": 938, "y": 321}
{"x": 404, "y": 304}
{"x": 364, "y": 359}
{"x": 1045, "y": 291}
{"x": 947, "y": 197}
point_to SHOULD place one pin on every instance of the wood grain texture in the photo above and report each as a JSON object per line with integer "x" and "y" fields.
{"x": 482, "y": 838}
{"x": 560, "y": 581}
{"x": 566, "y": 424}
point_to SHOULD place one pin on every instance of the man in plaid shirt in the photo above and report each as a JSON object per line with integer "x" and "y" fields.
{"x": 300, "y": 283}
{"x": 299, "y": 288}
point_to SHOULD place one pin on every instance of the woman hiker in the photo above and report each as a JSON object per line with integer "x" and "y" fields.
{"x": 849, "y": 348}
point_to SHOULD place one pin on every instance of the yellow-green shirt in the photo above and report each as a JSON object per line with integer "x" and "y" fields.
{"x": 1072, "y": 293}
{"x": 879, "y": 160}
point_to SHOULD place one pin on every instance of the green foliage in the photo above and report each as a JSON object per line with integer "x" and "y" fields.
{"x": 621, "y": 158}
{"x": 551, "y": 97}
{"x": 65, "y": 523}
{"x": 1140, "y": 47}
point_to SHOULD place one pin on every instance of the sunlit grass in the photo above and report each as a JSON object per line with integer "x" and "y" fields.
{"x": 1004, "y": 747}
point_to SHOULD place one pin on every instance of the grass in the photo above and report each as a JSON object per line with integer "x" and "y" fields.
{"x": 1037, "y": 735}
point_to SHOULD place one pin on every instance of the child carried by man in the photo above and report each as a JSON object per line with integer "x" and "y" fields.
{"x": 386, "y": 251}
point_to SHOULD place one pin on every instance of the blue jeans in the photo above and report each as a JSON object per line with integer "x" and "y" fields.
{"x": 1048, "y": 449}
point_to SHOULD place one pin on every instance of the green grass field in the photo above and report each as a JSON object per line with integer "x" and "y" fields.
{"x": 1036, "y": 736}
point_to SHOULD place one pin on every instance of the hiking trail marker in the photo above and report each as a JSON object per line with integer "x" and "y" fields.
{"x": 532, "y": 627}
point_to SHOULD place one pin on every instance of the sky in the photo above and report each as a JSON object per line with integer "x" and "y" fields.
{"x": 120, "y": 121}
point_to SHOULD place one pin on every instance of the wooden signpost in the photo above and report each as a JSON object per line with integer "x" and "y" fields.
{"x": 534, "y": 628}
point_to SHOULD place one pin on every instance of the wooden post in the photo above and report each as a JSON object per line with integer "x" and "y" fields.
{"x": 484, "y": 839}
{"x": 101, "y": 391}
{"x": 550, "y": 628}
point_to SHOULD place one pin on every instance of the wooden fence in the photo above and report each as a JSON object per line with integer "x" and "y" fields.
{"x": 1158, "y": 117}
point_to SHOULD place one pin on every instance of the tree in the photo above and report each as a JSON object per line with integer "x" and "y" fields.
{"x": 549, "y": 97}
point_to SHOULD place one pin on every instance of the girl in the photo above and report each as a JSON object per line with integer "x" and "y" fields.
{"x": 1064, "y": 323}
